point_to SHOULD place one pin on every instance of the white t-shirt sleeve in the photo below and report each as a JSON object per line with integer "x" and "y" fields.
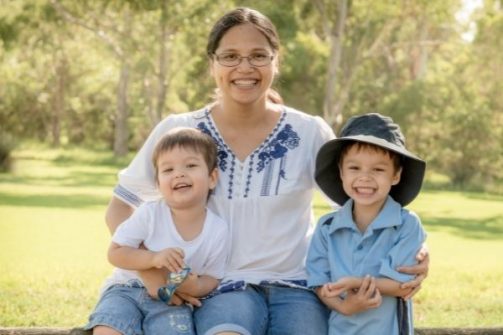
{"x": 135, "y": 229}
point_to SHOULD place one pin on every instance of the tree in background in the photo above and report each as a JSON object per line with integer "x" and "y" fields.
{"x": 103, "y": 73}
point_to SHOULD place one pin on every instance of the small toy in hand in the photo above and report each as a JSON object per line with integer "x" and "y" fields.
{"x": 174, "y": 280}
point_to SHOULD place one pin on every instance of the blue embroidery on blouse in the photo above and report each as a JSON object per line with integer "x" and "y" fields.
{"x": 286, "y": 139}
{"x": 276, "y": 146}
{"x": 221, "y": 153}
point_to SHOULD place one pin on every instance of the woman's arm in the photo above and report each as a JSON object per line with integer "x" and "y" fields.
{"x": 198, "y": 286}
{"x": 420, "y": 270}
{"x": 117, "y": 212}
{"x": 130, "y": 258}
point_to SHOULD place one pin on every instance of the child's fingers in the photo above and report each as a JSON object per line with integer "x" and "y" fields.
{"x": 180, "y": 252}
{"x": 334, "y": 289}
{"x": 375, "y": 301}
{"x": 362, "y": 290}
{"x": 368, "y": 286}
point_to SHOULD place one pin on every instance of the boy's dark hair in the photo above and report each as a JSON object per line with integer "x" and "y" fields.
{"x": 190, "y": 138}
{"x": 346, "y": 146}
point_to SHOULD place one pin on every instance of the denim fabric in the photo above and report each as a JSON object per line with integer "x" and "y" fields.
{"x": 263, "y": 310}
{"x": 129, "y": 310}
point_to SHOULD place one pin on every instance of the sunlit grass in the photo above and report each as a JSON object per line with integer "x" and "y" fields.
{"x": 54, "y": 240}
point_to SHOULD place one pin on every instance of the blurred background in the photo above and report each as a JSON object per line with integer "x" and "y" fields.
{"x": 101, "y": 74}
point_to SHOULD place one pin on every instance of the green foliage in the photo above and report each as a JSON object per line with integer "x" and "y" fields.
{"x": 405, "y": 59}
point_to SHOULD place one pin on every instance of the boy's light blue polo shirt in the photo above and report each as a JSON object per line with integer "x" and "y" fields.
{"x": 338, "y": 249}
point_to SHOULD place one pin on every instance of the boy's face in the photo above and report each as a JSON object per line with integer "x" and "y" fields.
{"x": 183, "y": 178}
{"x": 367, "y": 175}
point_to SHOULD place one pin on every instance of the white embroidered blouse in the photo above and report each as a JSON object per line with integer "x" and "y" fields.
{"x": 265, "y": 199}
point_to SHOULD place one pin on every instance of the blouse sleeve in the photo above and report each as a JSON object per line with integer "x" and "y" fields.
{"x": 137, "y": 181}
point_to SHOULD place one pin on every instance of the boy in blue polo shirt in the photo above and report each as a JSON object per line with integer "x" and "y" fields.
{"x": 355, "y": 250}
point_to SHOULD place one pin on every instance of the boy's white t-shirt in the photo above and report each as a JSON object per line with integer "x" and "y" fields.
{"x": 153, "y": 225}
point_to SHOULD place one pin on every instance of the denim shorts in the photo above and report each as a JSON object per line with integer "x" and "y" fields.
{"x": 263, "y": 310}
{"x": 131, "y": 311}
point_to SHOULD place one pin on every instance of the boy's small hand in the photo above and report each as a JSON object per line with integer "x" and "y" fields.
{"x": 170, "y": 258}
{"x": 366, "y": 297}
{"x": 342, "y": 285}
{"x": 331, "y": 290}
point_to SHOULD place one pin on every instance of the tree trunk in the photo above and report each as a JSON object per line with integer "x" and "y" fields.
{"x": 58, "y": 97}
{"x": 330, "y": 112}
{"x": 121, "y": 134}
{"x": 163, "y": 64}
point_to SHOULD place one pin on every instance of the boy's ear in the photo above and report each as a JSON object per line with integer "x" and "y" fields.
{"x": 397, "y": 176}
{"x": 213, "y": 178}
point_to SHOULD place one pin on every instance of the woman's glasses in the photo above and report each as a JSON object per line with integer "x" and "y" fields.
{"x": 231, "y": 59}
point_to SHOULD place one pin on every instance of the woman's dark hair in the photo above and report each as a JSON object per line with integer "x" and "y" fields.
{"x": 243, "y": 15}
{"x": 238, "y": 16}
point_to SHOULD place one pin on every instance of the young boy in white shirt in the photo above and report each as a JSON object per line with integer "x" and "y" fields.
{"x": 178, "y": 232}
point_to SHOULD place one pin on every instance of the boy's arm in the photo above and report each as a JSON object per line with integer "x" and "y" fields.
{"x": 130, "y": 258}
{"x": 385, "y": 286}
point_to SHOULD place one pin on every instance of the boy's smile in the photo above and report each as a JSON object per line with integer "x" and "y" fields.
{"x": 183, "y": 178}
{"x": 367, "y": 175}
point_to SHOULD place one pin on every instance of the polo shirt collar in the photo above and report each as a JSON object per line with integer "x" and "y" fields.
{"x": 389, "y": 216}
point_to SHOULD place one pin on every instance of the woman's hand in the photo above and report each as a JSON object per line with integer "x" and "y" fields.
{"x": 180, "y": 298}
{"x": 420, "y": 270}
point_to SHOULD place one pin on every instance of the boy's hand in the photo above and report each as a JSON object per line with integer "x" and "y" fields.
{"x": 170, "y": 258}
{"x": 366, "y": 297}
{"x": 344, "y": 284}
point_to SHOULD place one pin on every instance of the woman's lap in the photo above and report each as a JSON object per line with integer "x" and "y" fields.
{"x": 270, "y": 310}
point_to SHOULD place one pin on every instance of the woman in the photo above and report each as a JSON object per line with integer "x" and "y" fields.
{"x": 266, "y": 165}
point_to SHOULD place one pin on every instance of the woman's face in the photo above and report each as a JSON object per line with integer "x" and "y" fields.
{"x": 244, "y": 83}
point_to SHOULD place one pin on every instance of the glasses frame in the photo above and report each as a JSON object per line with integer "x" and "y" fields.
{"x": 240, "y": 60}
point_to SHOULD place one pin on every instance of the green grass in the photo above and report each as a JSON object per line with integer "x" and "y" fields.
{"x": 54, "y": 241}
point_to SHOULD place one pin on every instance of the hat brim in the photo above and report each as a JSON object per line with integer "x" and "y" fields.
{"x": 327, "y": 174}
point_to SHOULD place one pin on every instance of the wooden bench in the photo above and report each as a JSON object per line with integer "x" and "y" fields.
{"x": 418, "y": 331}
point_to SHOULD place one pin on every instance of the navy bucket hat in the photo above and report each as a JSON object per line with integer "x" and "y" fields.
{"x": 378, "y": 130}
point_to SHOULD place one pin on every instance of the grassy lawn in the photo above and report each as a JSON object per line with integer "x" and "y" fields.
{"x": 54, "y": 240}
